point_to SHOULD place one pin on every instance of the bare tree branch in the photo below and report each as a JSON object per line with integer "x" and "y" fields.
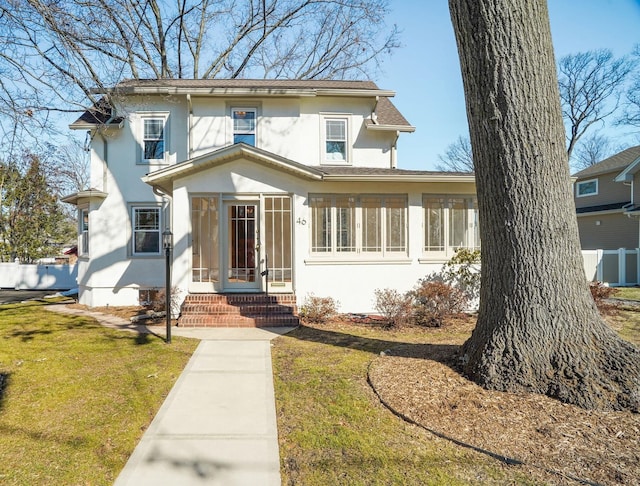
{"x": 590, "y": 87}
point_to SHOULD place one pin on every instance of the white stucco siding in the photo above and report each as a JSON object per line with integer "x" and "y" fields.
{"x": 351, "y": 280}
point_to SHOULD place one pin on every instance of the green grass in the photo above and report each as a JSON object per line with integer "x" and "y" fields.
{"x": 629, "y": 293}
{"x": 76, "y": 397}
{"x": 333, "y": 430}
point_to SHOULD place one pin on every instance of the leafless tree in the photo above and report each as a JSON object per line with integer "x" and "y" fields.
{"x": 631, "y": 113}
{"x": 52, "y": 53}
{"x": 458, "y": 156}
{"x": 591, "y": 84}
{"x": 592, "y": 149}
{"x": 538, "y": 328}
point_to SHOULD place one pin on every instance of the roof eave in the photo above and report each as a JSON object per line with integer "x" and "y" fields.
{"x": 163, "y": 178}
{"x": 391, "y": 128}
{"x": 87, "y": 194}
{"x": 400, "y": 178}
{"x": 627, "y": 174}
{"x": 255, "y": 92}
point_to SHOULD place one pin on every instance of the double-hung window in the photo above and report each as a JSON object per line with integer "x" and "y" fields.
{"x": 84, "y": 231}
{"x": 336, "y": 139}
{"x": 244, "y": 125}
{"x": 153, "y": 141}
{"x": 450, "y": 223}
{"x": 361, "y": 226}
{"x": 146, "y": 230}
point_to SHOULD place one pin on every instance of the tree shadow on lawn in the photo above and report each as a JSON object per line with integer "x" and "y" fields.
{"x": 446, "y": 354}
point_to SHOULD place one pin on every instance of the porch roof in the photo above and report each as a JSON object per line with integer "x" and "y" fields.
{"x": 163, "y": 179}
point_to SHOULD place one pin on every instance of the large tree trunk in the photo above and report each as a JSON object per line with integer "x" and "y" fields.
{"x": 538, "y": 329}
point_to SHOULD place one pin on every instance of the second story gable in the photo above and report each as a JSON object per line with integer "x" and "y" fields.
{"x": 151, "y": 124}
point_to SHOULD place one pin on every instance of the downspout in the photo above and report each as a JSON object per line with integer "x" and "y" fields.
{"x": 394, "y": 149}
{"x": 189, "y": 126}
{"x": 166, "y": 204}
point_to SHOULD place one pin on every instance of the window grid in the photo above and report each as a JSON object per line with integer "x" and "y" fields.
{"x": 84, "y": 231}
{"x": 146, "y": 231}
{"x": 450, "y": 223}
{"x": 336, "y": 139}
{"x": 244, "y": 125}
{"x": 364, "y": 225}
{"x": 153, "y": 139}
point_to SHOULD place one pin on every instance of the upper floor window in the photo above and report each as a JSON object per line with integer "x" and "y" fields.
{"x": 587, "y": 188}
{"x": 146, "y": 230}
{"x": 244, "y": 125}
{"x": 153, "y": 137}
{"x": 336, "y": 139}
{"x": 450, "y": 223}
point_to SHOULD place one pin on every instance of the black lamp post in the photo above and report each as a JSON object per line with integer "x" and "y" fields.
{"x": 166, "y": 244}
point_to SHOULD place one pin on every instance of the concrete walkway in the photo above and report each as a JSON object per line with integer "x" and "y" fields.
{"x": 218, "y": 423}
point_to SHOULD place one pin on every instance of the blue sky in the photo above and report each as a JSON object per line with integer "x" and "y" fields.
{"x": 425, "y": 72}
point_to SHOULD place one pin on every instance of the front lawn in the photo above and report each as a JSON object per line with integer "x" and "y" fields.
{"x": 76, "y": 397}
{"x": 334, "y": 429}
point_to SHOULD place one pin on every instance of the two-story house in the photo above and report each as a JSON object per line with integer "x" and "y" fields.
{"x": 607, "y": 197}
{"x": 299, "y": 178}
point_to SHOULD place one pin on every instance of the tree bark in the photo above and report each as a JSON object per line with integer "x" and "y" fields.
{"x": 538, "y": 328}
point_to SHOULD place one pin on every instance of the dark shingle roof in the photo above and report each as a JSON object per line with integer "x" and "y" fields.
{"x": 602, "y": 207}
{"x": 387, "y": 113}
{"x": 99, "y": 114}
{"x": 247, "y": 83}
{"x": 365, "y": 171}
{"x": 617, "y": 162}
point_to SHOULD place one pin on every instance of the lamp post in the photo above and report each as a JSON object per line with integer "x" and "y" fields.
{"x": 166, "y": 244}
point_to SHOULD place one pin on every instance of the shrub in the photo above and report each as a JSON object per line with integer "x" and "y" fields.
{"x": 463, "y": 272}
{"x": 393, "y": 306}
{"x": 600, "y": 293}
{"x": 319, "y": 309}
{"x": 156, "y": 300}
{"x": 432, "y": 301}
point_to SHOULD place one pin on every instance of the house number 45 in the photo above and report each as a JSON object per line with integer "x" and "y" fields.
{"x": 301, "y": 221}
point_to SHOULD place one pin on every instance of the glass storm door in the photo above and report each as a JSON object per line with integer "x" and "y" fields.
{"x": 242, "y": 245}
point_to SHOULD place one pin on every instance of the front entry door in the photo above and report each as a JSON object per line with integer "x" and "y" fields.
{"x": 242, "y": 246}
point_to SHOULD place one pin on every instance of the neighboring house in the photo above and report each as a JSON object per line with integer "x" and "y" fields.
{"x": 607, "y": 197}
{"x": 299, "y": 177}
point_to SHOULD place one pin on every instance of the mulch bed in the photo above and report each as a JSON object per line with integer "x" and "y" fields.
{"x": 553, "y": 442}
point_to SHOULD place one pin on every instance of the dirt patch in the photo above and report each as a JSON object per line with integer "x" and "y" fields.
{"x": 555, "y": 442}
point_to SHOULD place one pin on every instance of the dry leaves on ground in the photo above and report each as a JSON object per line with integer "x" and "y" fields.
{"x": 558, "y": 443}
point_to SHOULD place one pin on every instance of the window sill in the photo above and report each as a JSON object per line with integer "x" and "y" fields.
{"x": 359, "y": 261}
{"x": 145, "y": 257}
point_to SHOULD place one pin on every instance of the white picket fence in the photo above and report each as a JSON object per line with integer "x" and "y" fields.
{"x": 618, "y": 268}
{"x": 38, "y": 277}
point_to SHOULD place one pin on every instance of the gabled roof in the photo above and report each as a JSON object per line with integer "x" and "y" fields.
{"x": 163, "y": 178}
{"x": 90, "y": 193}
{"x": 99, "y": 114}
{"x": 615, "y": 163}
{"x": 388, "y": 116}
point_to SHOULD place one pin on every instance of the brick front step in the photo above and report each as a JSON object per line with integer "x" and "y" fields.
{"x": 238, "y": 310}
